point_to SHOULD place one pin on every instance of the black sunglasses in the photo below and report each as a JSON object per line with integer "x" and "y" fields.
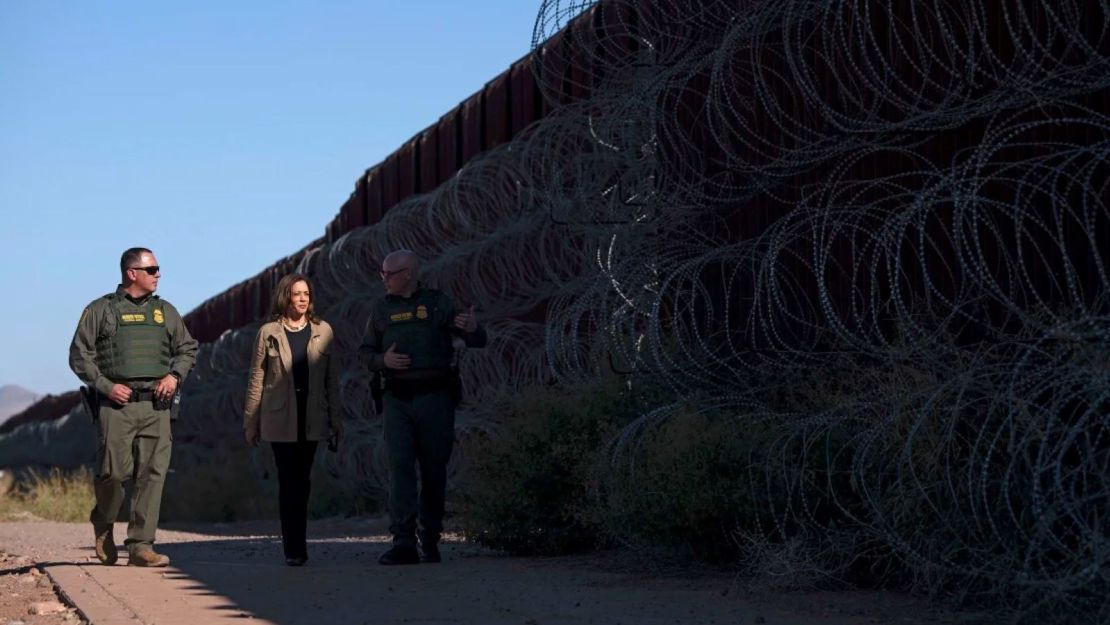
{"x": 150, "y": 271}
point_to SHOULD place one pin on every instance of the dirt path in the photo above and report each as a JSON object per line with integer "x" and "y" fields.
{"x": 228, "y": 573}
{"x": 29, "y": 596}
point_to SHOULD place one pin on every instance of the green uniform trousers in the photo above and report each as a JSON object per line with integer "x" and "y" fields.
{"x": 419, "y": 430}
{"x": 133, "y": 442}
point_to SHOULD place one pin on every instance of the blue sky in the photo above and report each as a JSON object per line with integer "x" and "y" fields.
{"x": 223, "y": 135}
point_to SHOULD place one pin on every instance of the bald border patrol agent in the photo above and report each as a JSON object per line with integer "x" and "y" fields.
{"x": 409, "y": 341}
{"x": 132, "y": 348}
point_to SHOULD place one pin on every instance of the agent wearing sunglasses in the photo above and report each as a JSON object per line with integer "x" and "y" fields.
{"x": 133, "y": 349}
{"x": 409, "y": 339}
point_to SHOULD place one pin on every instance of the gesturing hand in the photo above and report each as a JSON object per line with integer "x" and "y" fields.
{"x": 393, "y": 360}
{"x": 467, "y": 321}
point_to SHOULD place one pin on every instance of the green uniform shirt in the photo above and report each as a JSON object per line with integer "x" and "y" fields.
{"x": 99, "y": 320}
{"x": 421, "y": 326}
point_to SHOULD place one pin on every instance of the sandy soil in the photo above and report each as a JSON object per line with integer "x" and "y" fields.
{"x": 28, "y": 596}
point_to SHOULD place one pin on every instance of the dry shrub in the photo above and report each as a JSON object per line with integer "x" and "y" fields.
{"x": 243, "y": 486}
{"x": 680, "y": 489}
{"x": 218, "y": 492}
{"x": 332, "y": 496}
{"x": 526, "y": 488}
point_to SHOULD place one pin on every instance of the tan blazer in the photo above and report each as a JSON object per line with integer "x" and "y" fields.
{"x": 271, "y": 399}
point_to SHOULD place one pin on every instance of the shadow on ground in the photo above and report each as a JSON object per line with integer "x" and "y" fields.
{"x": 342, "y": 583}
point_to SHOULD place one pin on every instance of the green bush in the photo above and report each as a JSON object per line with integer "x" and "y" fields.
{"x": 681, "y": 488}
{"x": 526, "y": 488}
{"x": 565, "y": 474}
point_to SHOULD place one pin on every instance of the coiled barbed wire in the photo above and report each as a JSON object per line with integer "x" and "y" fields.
{"x": 876, "y": 230}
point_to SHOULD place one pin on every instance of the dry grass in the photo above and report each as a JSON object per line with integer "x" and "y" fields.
{"x": 54, "y": 496}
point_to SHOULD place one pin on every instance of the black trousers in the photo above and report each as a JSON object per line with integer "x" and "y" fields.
{"x": 419, "y": 430}
{"x": 294, "y": 466}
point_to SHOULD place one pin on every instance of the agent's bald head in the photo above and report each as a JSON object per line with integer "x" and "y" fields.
{"x": 401, "y": 258}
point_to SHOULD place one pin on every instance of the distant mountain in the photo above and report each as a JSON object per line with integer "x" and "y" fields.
{"x": 14, "y": 400}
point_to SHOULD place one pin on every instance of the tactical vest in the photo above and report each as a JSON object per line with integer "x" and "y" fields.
{"x": 419, "y": 328}
{"x": 140, "y": 346}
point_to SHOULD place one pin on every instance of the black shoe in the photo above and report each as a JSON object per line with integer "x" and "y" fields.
{"x": 430, "y": 553}
{"x": 400, "y": 555}
{"x": 295, "y": 561}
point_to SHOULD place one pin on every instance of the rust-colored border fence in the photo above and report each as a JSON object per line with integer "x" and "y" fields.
{"x": 489, "y": 118}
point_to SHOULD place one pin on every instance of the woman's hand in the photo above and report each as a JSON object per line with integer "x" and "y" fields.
{"x": 251, "y": 436}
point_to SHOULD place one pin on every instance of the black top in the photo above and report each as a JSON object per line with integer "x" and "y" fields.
{"x": 298, "y": 345}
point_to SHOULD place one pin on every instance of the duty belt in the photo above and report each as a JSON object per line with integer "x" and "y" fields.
{"x": 141, "y": 395}
{"x": 136, "y": 395}
{"x": 407, "y": 388}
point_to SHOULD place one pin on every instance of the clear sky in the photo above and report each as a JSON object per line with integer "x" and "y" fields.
{"x": 223, "y": 135}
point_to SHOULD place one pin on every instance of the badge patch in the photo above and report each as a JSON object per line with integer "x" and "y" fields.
{"x": 133, "y": 317}
{"x": 158, "y": 316}
{"x": 422, "y": 312}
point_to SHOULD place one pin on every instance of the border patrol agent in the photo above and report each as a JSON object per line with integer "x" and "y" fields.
{"x": 409, "y": 342}
{"x": 132, "y": 348}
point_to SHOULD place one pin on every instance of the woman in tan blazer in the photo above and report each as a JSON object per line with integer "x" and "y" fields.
{"x": 293, "y": 401}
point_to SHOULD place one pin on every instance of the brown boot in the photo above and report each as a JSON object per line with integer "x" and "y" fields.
{"x": 105, "y": 545}
{"x": 147, "y": 557}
